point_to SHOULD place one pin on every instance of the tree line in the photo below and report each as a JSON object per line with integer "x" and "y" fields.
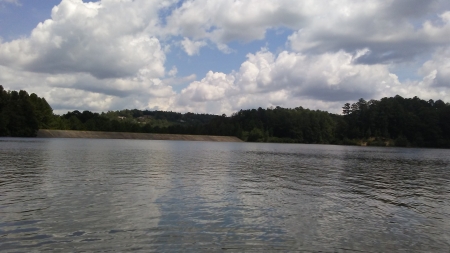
{"x": 394, "y": 121}
{"x": 406, "y": 121}
{"x": 21, "y": 114}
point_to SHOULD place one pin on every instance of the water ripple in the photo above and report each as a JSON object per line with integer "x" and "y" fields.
{"x": 150, "y": 196}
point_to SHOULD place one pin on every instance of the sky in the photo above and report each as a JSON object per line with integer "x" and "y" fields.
{"x": 220, "y": 56}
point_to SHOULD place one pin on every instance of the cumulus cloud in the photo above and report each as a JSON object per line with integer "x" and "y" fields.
{"x": 228, "y": 20}
{"x": 389, "y": 36}
{"x": 111, "y": 54}
{"x": 438, "y": 68}
{"x": 214, "y": 86}
{"x": 172, "y": 81}
{"x": 87, "y": 38}
{"x": 173, "y": 71}
{"x": 266, "y": 79}
{"x": 393, "y": 30}
{"x": 88, "y": 57}
{"x": 67, "y": 92}
{"x": 192, "y": 47}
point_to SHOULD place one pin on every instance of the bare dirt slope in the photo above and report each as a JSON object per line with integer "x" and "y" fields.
{"x": 45, "y": 133}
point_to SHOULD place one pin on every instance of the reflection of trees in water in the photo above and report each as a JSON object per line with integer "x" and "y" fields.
{"x": 158, "y": 195}
{"x": 398, "y": 195}
{"x": 401, "y": 172}
{"x": 357, "y": 198}
{"x": 21, "y": 159}
{"x": 105, "y": 191}
{"x": 89, "y": 191}
{"x": 22, "y": 168}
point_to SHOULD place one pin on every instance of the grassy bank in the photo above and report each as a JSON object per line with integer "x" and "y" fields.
{"x": 46, "y": 133}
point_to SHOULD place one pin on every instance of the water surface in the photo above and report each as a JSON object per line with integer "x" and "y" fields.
{"x": 160, "y": 196}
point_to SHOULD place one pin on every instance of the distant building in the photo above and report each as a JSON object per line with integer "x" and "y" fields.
{"x": 143, "y": 118}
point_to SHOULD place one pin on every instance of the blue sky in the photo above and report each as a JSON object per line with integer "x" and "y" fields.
{"x": 19, "y": 18}
{"x": 210, "y": 58}
{"x": 220, "y": 56}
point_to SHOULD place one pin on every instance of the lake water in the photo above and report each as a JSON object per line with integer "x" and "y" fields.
{"x": 84, "y": 195}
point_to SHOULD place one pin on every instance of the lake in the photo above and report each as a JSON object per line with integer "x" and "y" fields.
{"x": 85, "y": 195}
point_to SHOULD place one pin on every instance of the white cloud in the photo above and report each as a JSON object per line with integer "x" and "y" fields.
{"x": 172, "y": 81}
{"x": 88, "y": 38}
{"x": 192, "y": 47}
{"x": 228, "y": 20}
{"x": 214, "y": 86}
{"x": 67, "y": 92}
{"x": 291, "y": 79}
{"x": 111, "y": 54}
{"x": 438, "y": 68}
{"x": 173, "y": 72}
{"x": 394, "y": 30}
{"x": 86, "y": 56}
{"x": 390, "y": 38}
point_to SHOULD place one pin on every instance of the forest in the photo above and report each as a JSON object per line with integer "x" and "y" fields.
{"x": 393, "y": 121}
{"x": 21, "y": 114}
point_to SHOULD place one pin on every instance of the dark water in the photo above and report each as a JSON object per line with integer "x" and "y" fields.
{"x": 82, "y": 195}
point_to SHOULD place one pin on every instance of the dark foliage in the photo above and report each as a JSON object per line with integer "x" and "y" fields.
{"x": 407, "y": 121}
{"x": 395, "y": 121}
{"x": 21, "y": 115}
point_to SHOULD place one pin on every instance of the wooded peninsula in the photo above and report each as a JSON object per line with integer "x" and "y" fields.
{"x": 393, "y": 121}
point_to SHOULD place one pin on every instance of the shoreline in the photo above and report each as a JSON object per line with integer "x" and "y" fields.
{"x": 47, "y": 133}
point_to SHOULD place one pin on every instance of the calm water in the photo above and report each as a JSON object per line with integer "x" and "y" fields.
{"x": 84, "y": 195}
